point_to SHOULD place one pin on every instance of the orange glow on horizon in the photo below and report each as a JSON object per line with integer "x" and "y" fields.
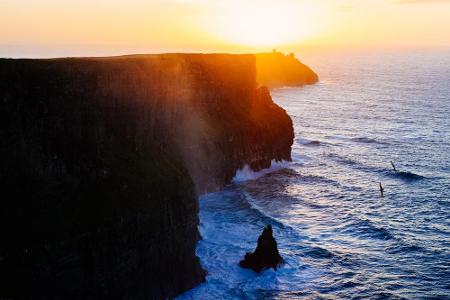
{"x": 137, "y": 26}
{"x": 267, "y": 24}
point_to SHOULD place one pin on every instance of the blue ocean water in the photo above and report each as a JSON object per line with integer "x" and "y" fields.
{"x": 339, "y": 238}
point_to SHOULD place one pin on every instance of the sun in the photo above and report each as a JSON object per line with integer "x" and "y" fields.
{"x": 266, "y": 23}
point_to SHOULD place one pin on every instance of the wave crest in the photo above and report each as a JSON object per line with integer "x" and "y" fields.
{"x": 410, "y": 176}
{"x": 246, "y": 173}
{"x": 307, "y": 142}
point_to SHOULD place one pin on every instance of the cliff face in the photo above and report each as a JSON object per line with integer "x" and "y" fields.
{"x": 102, "y": 160}
{"x": 277, "y": 70}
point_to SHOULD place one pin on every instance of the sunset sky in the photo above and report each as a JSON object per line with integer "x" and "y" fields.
{"x": 35, "y": 27}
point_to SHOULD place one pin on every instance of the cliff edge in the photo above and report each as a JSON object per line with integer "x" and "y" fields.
{"x": 102, "y": 160}
{"x": 278, "y": 70}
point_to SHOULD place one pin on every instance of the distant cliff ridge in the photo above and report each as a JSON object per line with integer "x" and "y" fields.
{"x": 277, "y": 70}
{"x": 102, "y": 160}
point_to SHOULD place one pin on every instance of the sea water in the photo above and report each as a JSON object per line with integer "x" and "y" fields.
{"x": 338, "y": 236}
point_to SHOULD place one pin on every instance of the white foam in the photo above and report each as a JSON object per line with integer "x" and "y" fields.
{"x": 246, "y": 173}
{"x": 228, "y": 231}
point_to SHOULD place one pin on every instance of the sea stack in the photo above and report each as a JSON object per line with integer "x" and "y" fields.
{"x": 266, "y": 254}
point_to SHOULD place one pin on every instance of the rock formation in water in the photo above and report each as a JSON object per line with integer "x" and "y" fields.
{"x": 102, "y": 160}
{"x": 278, "y": 70}
{"x": 266, "y": 254}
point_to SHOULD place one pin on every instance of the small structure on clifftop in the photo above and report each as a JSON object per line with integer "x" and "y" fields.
{"x": 266, "y": 254}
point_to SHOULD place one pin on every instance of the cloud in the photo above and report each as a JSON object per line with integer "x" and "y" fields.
{"x": 421, "y": 1}
{"x": 345, "y": 7}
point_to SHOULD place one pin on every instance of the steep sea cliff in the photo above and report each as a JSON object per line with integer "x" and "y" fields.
{"x": 103, "y": 160}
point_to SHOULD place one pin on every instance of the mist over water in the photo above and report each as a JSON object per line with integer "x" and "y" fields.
{"x": 338, "y": 236}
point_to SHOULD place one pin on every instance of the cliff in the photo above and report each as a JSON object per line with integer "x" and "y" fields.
{"x": 277, "y": 70}
{"x": 102, "y": 160}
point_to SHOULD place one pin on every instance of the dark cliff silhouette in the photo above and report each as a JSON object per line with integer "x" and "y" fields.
{"x": 266, "y": 254}
{"x": 102, "y": 160}
{"x": 278, "y": 70}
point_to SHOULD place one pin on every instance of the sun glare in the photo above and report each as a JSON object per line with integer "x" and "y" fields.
{"x": 267, "y": 23}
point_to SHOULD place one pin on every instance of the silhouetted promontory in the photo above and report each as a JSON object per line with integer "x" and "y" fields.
{"x": 102, "y": 160}
{"x": 276, "y": 69}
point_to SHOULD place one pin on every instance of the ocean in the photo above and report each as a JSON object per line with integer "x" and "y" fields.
{"x": 340, "y": 239}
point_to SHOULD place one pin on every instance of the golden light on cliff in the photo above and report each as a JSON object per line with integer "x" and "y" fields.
{"x": 267, "y": 23}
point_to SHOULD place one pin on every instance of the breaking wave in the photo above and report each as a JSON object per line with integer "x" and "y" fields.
{"x": 246, "y": 173}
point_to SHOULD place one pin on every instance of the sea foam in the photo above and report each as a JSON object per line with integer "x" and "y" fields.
{"x": 246, "y": 173}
